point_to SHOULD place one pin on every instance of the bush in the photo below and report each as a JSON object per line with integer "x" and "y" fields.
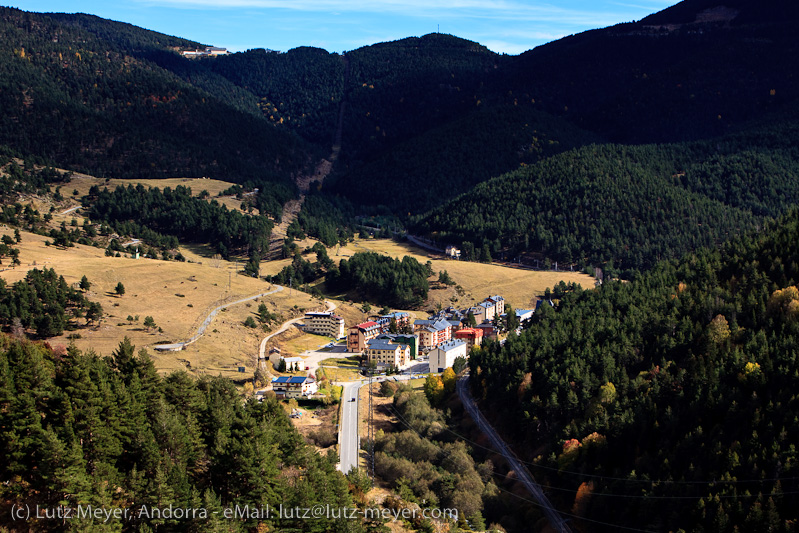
{"x": 323, "y": 437}
{"x": 388, "y": 388}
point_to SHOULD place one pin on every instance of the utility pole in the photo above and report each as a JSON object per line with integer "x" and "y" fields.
{"x": 371, "y": 435}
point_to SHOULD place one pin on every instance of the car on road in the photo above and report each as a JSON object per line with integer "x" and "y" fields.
{"x": 352, "y": 399}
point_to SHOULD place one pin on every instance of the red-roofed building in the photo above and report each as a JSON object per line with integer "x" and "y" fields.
{"x": 472, "y": 336}
{"x": 358, "y": 335}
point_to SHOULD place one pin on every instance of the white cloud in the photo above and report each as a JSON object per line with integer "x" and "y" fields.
{"x": 514, "y": 10}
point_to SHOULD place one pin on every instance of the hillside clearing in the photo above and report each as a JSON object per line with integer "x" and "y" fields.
{"x": 519, "y": 287}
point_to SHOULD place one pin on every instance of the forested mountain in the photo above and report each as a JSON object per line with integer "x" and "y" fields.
{"x": 89, "y": 95}
{"x": 666, "y": 403}
{"x": 434, "y": 109}
{"x": 699, "y": 69}
{"x": 627, "y": 205}
{"x": 421, "y": 172}
{"x": 301, "y": 89}
{"x": 400, "y": 89}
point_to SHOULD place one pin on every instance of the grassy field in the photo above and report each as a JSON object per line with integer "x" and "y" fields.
{"x": 177, "y": 295}
{"x": 519, "y": 287}
{"x": 352, "y": 361}
{"x": 304, "y": 342}
{"x": 340, "y": 374}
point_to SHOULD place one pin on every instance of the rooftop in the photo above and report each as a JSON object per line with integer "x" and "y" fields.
{"x": 381, "y": 344}
{"x": 450, "y": 345}
{"x": 294, "y": 380}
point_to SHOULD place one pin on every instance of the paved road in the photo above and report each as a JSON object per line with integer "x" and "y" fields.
{"x": 349, "y": 442}
{"x": 286, "y": 325}
{"x": 209, "y": 318}
{"x": 555, "y": 519}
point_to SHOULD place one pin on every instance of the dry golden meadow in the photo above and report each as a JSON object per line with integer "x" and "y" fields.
{"x": 177, "y": 295}
{"x": 180, "y": 295}
{"x": 519, "y": 287}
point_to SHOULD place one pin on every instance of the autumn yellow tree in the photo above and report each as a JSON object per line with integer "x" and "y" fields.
{"x": 434, "y": 389}
{"x": 448, "y": 379}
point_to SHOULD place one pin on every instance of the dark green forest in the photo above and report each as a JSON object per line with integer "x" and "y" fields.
{"x": 44, "y": 303}
{"x": 418, "y": 174}
{"x": 301, "y": 89}
{"x": 667, "y": 402}
{"x": 626, "y": 207}
{"x": 74, "y": 95}
{"x": 136, "y": 210}
{"x": 110, "y": 432}
{"x": 398, "y": 283}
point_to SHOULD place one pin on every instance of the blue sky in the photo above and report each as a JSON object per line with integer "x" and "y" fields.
{"x": 504, "y": 26}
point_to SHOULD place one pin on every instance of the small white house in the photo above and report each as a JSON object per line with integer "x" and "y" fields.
{"x": 294, "y": 364}
{"x": 294, "y": 386}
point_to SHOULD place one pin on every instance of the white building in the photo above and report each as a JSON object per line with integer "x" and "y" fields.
{"x": 294, "y": 386}
{"x": 326, "y": 324}
{"x": 499, "y": 304}
{"x": 443, "y": 356}
{"x": 294, "y": 364}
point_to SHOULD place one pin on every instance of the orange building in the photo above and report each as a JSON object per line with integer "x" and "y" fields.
{"x": 472, "y": 336}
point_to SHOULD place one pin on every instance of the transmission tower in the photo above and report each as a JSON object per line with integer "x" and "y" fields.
{"x": 371, "y": 435}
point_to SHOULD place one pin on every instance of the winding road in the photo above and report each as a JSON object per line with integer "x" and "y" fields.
{"x": 180, "y": 345}
{"x": 555, "y": 519}
{"x": 286, "y": 325}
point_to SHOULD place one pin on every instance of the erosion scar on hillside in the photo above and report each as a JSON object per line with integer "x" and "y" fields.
{"x": 292, "y": 208}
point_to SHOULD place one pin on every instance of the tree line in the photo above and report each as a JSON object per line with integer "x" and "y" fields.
{"x": 398, "y": 283}
{"x": 45, "y": 303}
{"x": 110, "y": 432}
{"x": 175, "y": 212}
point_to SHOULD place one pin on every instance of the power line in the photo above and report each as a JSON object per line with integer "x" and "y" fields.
{"x": 610, "y": 494}
{"x": 537, "y": 504}
{"x": 627, "y": 480}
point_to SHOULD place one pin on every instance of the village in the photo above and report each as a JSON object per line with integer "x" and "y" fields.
{"x": 394, "y": 344}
